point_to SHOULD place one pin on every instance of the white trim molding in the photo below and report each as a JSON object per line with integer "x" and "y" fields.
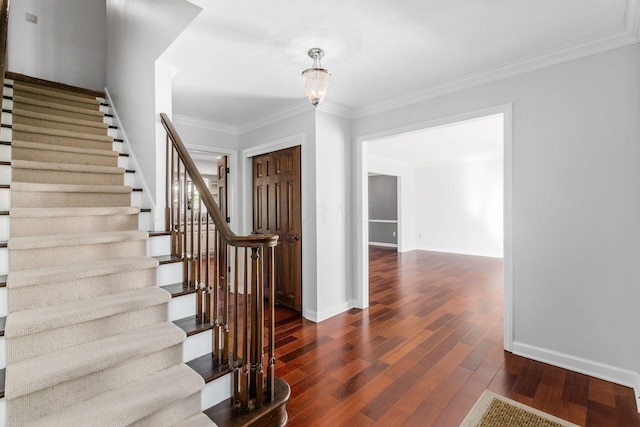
{"x": 205, "y": 124}
{"x": 328, "y": 313}
{"x": 275, "y": 117}
{"x": 584, "y": 366}
{"x": 384, "y": 245}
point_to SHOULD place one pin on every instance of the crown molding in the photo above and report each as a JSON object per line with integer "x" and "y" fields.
{"x": 276, "y": 116}
{"x": 335, "y": 109}
{"x": 205, "y": 124}
{"x": 614, "y": 40}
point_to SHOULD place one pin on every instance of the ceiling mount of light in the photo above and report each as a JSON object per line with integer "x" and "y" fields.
{"x": 316, "y": 78}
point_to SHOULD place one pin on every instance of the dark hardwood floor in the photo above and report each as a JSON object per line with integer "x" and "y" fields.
{"x": 421, "y": 355}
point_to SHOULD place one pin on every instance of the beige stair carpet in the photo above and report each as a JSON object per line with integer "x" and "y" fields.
{"x": 87, "y": 336}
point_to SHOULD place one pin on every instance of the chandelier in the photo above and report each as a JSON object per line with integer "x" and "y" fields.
{"x": 316, "y": 78}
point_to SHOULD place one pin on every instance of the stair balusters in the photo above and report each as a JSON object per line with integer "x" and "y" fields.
{"x": 228, "y": 273}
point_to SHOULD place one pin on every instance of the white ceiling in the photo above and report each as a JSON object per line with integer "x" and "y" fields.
{"x": 242, "y": 59}
{"x": 469, "y": 140}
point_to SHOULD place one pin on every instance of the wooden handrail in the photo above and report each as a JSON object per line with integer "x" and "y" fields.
{"x": 231, "y": 302}
{"x": 4, "y": 28}
{"x": 207, "y": 199}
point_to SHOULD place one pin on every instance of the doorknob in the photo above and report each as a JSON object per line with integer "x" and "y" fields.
{"x": 293, "y": 238}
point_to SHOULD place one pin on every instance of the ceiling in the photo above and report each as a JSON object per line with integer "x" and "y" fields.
{"x": 240, "y": 60}
{"x": 465, "y": 141}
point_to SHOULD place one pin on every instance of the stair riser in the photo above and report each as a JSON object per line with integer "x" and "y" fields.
{"x": 61, "y": 140}
{"x": 4, "y": 265}
{"x": 5, "y": 153}
{"x": 49, "y": 200}
{"x": 197, "y": 345}
{"x": 51, "y": 156}
{"x": 3, "y": 357}
{"x": 29, "y": 297}
{"x": 159, "y": 245}
{"x": 5, "y": 224}
{"x": 172, "y": 414}
{"x": 169, "y": 273}
{"x": 55, "y": 398}
{"x": 20, "y": 348}
{"x": 66, "y": 177}
{"x": 5, "y": 199}
{"x": 182, "y": 306}
{"x": 144, "y": 220}
{"x": 216, "y": 391}
{"x": 21, "y": 227}
{"x": 51, "y": 257}
{"x": 3, "y": 305}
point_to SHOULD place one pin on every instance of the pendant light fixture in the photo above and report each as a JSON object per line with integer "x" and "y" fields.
{"x": 316, "y": 78}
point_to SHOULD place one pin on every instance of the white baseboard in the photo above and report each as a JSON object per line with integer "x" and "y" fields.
{"x": 385, "y": 245}
{"x": 461, "y": 252}
{"x": 326, "y": 314}
{"x": 577, "y": 364}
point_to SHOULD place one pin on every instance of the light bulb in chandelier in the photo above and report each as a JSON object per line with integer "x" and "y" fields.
{"x": 316, "y": 78}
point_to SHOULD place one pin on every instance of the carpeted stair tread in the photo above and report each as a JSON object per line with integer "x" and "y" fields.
{"x": 61, "y": 212}
{"x": 70, "y": 90}
{"x": 16, "y": 143}
{"x": 62, "y": 240}
{"x": 69, "y": 188}
{"x": 91, "y": 102}
{"x": 44, "y": 120}
{"x": 54, "y": 106}
{"x": 127, "y": 404}
{"x": 87, "y": 358}
{"x": 52, "y": 317}
{"x": 173, "y": 413}
{"x": 62, "y": 133}
{"x": 196, "y": 420}
{"x": 64, "y": 273}
{"x": 69, "y": 167}
{"x": 19, "y": 112}
{"x": 87, "y": 280}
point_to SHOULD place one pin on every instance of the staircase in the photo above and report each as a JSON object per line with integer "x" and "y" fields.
{"x": 89, "y": 340}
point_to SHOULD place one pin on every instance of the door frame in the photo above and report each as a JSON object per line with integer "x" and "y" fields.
{"x": 246, "y": 225}
{"x": 232, "y": 177}
{"x": 361, "y": 197}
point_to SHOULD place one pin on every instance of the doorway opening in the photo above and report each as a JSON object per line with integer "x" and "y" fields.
{"x": 454, "y": 191}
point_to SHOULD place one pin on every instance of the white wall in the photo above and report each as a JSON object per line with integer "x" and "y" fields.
{"x": 203, "y": 136}
{"x": 335, "y": 293}
{"x": 459, "y": 207}
{"x": 67, "y": 45}
{"x": 576, "y": 234}
{"x": 406, "y": 198}
{"x": 138, "y": 32}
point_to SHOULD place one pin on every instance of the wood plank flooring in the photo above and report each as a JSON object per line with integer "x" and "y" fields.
{"x": 421, "y": 355}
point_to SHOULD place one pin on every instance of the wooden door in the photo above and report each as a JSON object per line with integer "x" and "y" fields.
{"x": 223, "y": 201}
{"x": 277, "y": 210}
{"x": 223, "y": 204}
